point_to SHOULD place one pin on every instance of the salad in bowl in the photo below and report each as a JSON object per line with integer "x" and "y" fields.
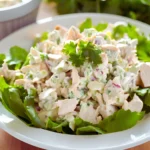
{"x": 91, "y": 79}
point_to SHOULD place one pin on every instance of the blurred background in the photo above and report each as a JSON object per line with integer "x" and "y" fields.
{"x": 15, "y": 14}
{"x": 135, "y": 9}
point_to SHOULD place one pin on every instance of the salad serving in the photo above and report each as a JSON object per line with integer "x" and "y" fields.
{"x": 93, "y": 79}
{"x": 7, "y": 3}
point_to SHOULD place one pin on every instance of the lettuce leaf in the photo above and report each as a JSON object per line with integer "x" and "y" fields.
{"x": 3, "y": 84}
{"x": 88, "y": 130}
{"x": 2, "y": 57}
{"x": 142, "y": 92}
{"x": 120, "y": 120}
{"x": 80, "y": 123}
{"x": 101, "y": 26}
{"x": 17, "y": 57}
{"x": 11, "y": 99}
{"x": 82, "y": 127}
{"x": 57, "y": 127}
{"x": 16, "y": 100}
{"x": 85, "y": 24}
{"x": 31, "y": 112}
{"x": 147, "y": 98}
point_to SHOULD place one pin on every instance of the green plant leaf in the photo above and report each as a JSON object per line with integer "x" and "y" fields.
{"x": 85, "y": 24}
{"x": 116, "y": 122}
{"x": 54, "y": 126}
{"x": 3, "y": 84}
{"x": 31, "y": 113}
{"x": 16, "y": 57}
{"x": 87, "y": 51}
{"x": 147, "y": 98}
{"x": 101, "y": 26}
{"x": 80, "y": 123}
{"x": 2, "y": 57}
{"x": 142, "y": 92}
{"x": 11, "y": 100}
{"x": 90, "y": 52}
{"x": 89, "y": 130}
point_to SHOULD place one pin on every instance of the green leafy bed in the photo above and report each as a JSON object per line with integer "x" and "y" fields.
{"x": 16, "y": 100}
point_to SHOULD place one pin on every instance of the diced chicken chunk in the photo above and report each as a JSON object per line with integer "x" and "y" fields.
{"x": 145, "y": 75}
{"x": 63, "y": 66}
{"x": 64, "y": 92}
{"x": 37, "y": 71}
{"x": 75, "y": 76}
{"x": 88, "y": 113}
{"x": 113, "y": 92}
{"x": 104, "y": 58}
{"x": 42, "y": 115}
{"x": 70, "y": 118}
{"x": 134, "y": 105}
{"x": 61, "y": 29}
{"x": 95, "y": 85}
{"x": 73, "y": 34}
{"x": 7, "y": 73}
{"x": 129, "y": 82}
{"x": 105, "y": 109}
{"x": 34, "y": 56}
{"x": 66, "y": 106}
{"x": 109, "y": 47}
{"x": 48, "y": 94}
{"x": 27, "y": 84}
{"x": 54, "y": 56}
{"x": 55, "y": 80}
{"x": 47, "y": 98}
{"x": 54, "y": 36}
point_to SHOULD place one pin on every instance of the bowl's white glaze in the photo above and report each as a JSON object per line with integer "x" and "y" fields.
{"x": 54, "y": 141}
{"x": 18, "y": 10}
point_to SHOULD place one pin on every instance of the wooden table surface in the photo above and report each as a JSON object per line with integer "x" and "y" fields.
{"x": 8, "y": 142}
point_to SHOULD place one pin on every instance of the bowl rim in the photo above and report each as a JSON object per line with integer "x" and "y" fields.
{"x": 33, "y": 141}
{"x": 23, "y": 2}
{"x": 24, "y": 7}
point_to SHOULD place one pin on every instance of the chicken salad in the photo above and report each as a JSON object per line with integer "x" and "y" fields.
{"x": 79, "y": 80}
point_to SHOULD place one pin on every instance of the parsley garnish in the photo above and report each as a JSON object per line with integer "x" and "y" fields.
{"x": 81, "y": 52}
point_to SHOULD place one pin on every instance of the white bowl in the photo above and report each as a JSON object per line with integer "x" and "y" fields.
{"x": 16, "y": 16}
{"x": 55, "y": 141}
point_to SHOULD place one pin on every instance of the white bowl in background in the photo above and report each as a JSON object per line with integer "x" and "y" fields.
{"x": 56, "y": 141}
{"x": 17, "y": 16}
